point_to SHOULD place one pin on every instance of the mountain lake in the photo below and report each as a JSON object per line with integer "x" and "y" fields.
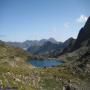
{"x": 45, "y": 63}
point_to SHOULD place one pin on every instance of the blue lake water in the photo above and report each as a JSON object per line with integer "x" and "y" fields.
{"x": 45, "y": 63}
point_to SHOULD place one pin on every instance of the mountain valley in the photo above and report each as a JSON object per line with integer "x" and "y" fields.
{"x": 74, "y": 73}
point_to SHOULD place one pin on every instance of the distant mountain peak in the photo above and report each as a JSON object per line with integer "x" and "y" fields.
{"x": 52, "y": 40}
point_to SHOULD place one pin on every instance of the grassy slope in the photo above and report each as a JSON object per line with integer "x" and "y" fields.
{"x": 13, "y": 70}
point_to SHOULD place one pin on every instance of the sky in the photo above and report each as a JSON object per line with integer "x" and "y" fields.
{"x": 22, "y": 20}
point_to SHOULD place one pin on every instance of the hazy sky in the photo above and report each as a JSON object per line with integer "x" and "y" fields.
{"x": 36, "y": 19}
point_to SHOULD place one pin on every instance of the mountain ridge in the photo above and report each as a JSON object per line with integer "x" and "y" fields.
{"x": 26, "y": 44}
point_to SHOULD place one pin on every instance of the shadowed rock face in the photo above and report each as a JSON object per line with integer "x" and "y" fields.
{"x": 83, "y": 38}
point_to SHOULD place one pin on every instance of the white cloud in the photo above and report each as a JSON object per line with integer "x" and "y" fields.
{"x": 82, "y": 19}
{"x": 67, "y": 25}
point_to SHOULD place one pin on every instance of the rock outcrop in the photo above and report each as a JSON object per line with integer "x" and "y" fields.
{"x": 83, "y": 38}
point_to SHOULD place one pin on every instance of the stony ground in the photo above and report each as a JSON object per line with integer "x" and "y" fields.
{"x": 54, "y": 78}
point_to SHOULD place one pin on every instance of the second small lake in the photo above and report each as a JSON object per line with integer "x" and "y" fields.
{"x": 45, "y": 63}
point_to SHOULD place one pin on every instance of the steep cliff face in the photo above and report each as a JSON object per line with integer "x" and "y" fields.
{"x": 83, "y": 38}
{"x": 80, "y": 57}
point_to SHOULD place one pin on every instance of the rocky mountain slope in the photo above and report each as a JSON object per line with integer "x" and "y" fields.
{"x": 78, "y": 59}
{"x": 12, "y": 56}
{"x": 50, "y": 49}
{"x": 83, "y": 38}
{"x": 83, "y": 41}
{"x": 46, "y": 49}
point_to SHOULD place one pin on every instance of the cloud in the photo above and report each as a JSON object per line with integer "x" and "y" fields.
{"x": 67, "y": 25}
{"x": 82, "y": 19}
